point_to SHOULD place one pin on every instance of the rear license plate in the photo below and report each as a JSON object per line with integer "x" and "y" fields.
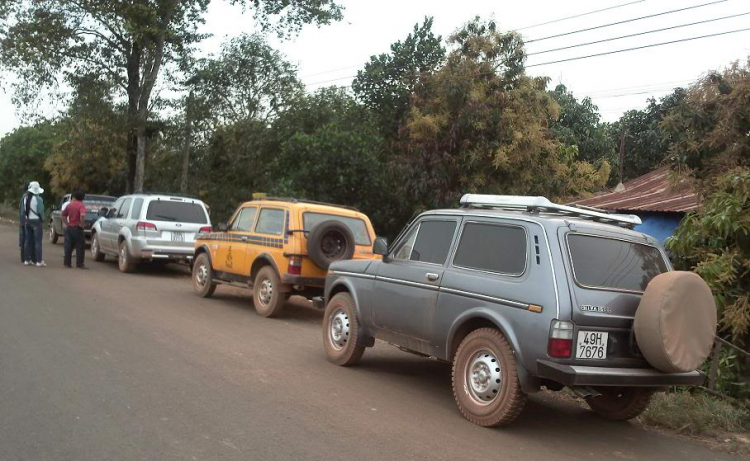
{"x": 178, "y": 236}
{"x": 592, "y": 345}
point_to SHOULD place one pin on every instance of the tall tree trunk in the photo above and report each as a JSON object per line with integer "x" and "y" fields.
{"x": 140, "y": 160}
{"x": 188, "y": 141}
{"x": 134, "y": 63}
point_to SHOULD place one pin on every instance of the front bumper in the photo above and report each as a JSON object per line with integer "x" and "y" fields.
{"x": 576, "y": 375}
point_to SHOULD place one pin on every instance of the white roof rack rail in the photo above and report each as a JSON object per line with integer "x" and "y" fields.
{"x": 530, "y": 203}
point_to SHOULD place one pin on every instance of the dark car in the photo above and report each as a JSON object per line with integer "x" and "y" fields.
{"x": 93, "y": 204}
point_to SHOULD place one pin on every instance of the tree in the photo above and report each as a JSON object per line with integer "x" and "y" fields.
{"x": 578, "y": 125}
{"x": 127, "y": 41}
{"x": 480, "y": 124}
{"x": 388, "y": 80}
{"x": 22, "y": 156}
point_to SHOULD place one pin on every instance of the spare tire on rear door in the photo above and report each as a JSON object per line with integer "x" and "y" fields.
{"x": 330, "y": 241}
{"x": 675, "y": 323}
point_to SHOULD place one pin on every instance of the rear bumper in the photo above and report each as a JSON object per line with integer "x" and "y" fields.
{"x": 142, "y": 250}
{"x": 575, "y": 375}
{"x": 304, "y": 281}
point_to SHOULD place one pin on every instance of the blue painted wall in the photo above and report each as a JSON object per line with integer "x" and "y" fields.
{"x": 659, "y": 225}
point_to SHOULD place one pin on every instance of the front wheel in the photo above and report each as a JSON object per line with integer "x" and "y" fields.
{"x": 53, "y": 235}
{"x": 620, "y": 403}
{"x": 340, "y": 331}
{"x": 96, "y": 250}
{"x": 268, "y": 300}
{"x": 485, "y": 379}
{"x": 203, "y": 280}
{"x": 124, "y": 260}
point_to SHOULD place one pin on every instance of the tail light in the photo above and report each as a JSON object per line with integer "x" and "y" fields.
{"x": 205, "y": 230}
{"x": 560, "y": 343}
{"x": 145, "y": 226}
{"x": 295, "y": 265}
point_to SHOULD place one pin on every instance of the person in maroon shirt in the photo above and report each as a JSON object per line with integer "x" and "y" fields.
{"x": 73, "y": 219}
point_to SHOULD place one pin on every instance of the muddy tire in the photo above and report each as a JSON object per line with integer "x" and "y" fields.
{"x": 485, "y": 379}
{"x": 341, "y": 331}
{"x": 203, "y": 280}
{"x": 620, "y": 403}
{"x": 330, "y": 241}
{"x": 96, "y": 249}
{"x": 53, "y": 235}
{"x": 268, "y": 300}
{"x": 124, "y": 260}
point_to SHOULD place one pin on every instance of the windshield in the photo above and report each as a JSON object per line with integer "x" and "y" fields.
{"x": 356, "y": 225}
{"x": 162, "y": 210}
{"x": 607, "y": 263}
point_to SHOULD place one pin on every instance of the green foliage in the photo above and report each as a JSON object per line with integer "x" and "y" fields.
{"x": 22, "y": 156}
{"x": 480, "y": 124}
{"x": 578, "y": 125}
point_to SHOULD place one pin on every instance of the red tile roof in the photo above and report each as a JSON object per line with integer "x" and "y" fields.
{"x": 650, "y": 192}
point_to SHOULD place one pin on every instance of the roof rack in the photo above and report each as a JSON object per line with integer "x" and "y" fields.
{"x": 172, "y": 194}
{"x": 312, "y": 202}
{"x": 536, "y": 204}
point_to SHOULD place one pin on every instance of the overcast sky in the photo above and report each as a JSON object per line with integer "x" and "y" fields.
{"x": 332, "y": 54}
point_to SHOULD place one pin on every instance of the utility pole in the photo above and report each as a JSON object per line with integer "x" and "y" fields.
{"x": 188, "y": 141}
{"x": 622, "y": 150}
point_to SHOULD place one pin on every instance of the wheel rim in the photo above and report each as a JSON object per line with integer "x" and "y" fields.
{"x": 333, "y": 245}
{"x": 201, "y": 275}
{"x": 123, "y": 255}
{"x": 94, "y": 246}
{"x": 483, "y": 377}
{"x": 266, "y": 292}
{"x": 338, "y": 333}
{"x": 51, "y": 233}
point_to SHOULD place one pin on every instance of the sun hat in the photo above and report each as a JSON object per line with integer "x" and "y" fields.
{"x": 34, "y": 188}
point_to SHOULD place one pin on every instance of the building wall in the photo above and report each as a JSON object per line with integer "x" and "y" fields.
{"x": 659, "y": 225}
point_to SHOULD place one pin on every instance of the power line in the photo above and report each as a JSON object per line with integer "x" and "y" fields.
{"x": 637, "y": 34}
{"x": 638, "y": 47}
{"x": 579, "y": 15}
{"x": 626, "y": 21}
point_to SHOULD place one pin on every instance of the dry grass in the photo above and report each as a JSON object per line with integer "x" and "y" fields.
{"x": 695, "y": 414}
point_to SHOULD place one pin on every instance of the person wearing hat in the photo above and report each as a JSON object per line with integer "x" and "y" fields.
{"x": 33, "y": 208}
{"x": 22, "y": 225}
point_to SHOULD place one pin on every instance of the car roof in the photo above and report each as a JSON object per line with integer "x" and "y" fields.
{"x": 176, "y": 198}
{"x": 317, "y": 207}
{"x": 553, "y": 220}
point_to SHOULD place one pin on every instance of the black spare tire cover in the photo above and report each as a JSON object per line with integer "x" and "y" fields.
{"x": 330, "y": 241}
{"x": 675, "y": 323}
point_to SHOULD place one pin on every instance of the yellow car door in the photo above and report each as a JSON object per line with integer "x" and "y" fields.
{"x": 231, "y": 254}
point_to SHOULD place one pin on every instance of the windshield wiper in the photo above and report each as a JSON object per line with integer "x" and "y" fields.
{"x": 166, "y": 218}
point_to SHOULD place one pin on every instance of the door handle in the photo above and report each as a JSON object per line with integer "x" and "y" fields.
{"x": 244, "y": 238}
{"x": 432, "y": 276}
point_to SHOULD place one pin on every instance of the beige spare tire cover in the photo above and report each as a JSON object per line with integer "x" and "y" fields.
{"x": 675, "y": 322}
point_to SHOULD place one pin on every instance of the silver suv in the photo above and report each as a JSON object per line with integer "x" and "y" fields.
{"x": 149, "y": 227}
{"x": 519, "y": 293}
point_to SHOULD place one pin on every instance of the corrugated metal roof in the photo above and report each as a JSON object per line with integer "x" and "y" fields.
{"x": 650, "y": 192}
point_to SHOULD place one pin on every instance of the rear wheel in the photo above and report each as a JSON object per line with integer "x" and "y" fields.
{"x": 203, "y": 280}
{"x": 485, "y": 379}
{"x": 340, "y": 331}
{"x": 124, "y": 260}
{"x": 620, "y": 403}
{"x": 96, "y": 251}
{"x": 268, "y": 300}
{"x": 53, "y": 235}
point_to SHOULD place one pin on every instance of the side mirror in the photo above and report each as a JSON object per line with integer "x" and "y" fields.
{"x": 380, "y": 247}
{"x": 102, "y": 212}
{"x": 223, "y": 227}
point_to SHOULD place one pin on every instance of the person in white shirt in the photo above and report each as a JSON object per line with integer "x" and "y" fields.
{"x": 33, "y": 209}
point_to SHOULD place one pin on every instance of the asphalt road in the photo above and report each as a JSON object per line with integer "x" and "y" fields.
{"x": 98, "y": 365}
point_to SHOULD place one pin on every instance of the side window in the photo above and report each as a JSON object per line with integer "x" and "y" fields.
{"x": 433, "y": 241}
{"x": 404, "y": 251}
{"x": 122, "y": 212}
{"x": 113, "y": 209}
{"x": 65, "y": 200}
{"x": 493, "y": 248}
{"x": 137, "y": 207}
{"x": 244, "y": 220}
{"x": 270, "y": 221}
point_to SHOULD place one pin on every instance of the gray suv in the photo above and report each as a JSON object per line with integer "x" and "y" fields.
{"x": 517, "y": 293}
{"x": 149, "y": 227}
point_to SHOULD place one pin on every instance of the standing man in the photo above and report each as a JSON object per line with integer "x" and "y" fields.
{"x": 22, "y": 225}
{"x": 73, "y": 219}
{"x": 33, "y": 208}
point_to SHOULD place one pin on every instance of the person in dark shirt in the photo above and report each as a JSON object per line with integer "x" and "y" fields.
{"x": 73, "y": 219}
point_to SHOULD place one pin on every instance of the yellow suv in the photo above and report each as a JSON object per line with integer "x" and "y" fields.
{"x": 280, "y": 247}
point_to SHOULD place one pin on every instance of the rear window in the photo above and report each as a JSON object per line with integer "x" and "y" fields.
{"x": 163, "y": 210}
{"x": 94, "y": 203}
{"x": 356, "y": 225}
{"x": 600, "y": 262}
